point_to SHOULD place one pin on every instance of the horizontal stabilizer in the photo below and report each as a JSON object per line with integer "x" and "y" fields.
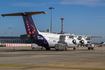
{"x": 24, "y": 14}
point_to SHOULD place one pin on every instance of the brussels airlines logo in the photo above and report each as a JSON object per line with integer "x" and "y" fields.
{"x": 31, "y": 28}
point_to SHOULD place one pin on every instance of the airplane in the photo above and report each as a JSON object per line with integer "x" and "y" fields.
{"x": 49, "y": 40}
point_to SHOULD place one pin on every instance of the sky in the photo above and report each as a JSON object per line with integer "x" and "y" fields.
{"x": 81, "y": 17}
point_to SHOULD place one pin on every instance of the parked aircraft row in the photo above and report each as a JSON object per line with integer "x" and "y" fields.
{"x": 49, "y": 40}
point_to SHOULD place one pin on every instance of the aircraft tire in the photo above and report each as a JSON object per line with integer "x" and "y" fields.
{"x": 47, "y": 48}
{"x": 92, "y": 48}
{"x": 89, "y": 48}
{"x": 74, "y": 48}
{"x": 33, "y": 48}
{"x": 65, "y": 49}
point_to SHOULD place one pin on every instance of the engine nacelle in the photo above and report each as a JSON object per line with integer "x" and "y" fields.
{"x": 75, "y": 41}
{"x": 83, "y": 41}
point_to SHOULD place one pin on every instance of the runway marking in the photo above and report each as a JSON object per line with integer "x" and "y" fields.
{"x": 50, "y": 66}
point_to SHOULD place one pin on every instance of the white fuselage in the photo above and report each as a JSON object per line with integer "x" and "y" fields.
{"x": 53, "y": 39}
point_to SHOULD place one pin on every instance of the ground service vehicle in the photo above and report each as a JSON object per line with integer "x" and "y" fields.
{"x": 90, "y": 46}
{"x": 61, "y": 46}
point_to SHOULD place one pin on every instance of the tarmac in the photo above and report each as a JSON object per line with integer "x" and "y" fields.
{"x": 24, "y": 58}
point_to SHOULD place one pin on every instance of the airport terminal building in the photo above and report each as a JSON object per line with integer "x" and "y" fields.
{"x": 4, "y": 40}
{"x": 23, "y": 39}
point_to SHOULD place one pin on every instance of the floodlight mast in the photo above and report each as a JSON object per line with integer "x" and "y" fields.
{"x": 51, "y": 19}
{"x": 62, "y": 25}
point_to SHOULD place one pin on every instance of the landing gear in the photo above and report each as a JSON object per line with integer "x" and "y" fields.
{"x": 90, "y": 48}
{"x": 47, "y": 48}
{"x": 65, "y": 49}
{"x": 74, "y": 48}
{"x": 33, "y": 48}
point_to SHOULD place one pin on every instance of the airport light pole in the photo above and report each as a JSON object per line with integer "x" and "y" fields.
{"x": 9, "y": 30}
{"x": 51, "y": 19}
{"x": 5, "y": 33}
{"x": 11, "y": 34}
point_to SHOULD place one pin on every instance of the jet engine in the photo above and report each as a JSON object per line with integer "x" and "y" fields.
{"x": 75, "y": 40}
{"x": 79, "y": 40}
{"x": 83, "y": 41}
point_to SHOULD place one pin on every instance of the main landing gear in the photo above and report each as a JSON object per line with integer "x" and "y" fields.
{"x": 74, "y": 48}
{"x": 47, "y": 48}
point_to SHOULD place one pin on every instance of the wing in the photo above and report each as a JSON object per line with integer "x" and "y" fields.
{"x": 80, "y": 36}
